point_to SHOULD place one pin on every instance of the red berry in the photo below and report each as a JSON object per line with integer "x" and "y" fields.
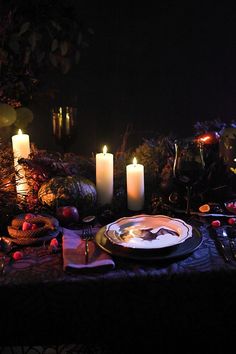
{"x": 231, "y": 221}
{"x": 215, "y": 223}
{"x": 29, "y": 216}
{"x": 34, "y": 227}
{"x": 17, "y": 255}
{"x": 26, "y": 226}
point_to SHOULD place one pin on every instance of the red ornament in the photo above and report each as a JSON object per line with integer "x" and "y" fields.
{"x": 231, "y": 221}
{"x": 17, "y": 255}
{"x": 208, "y": 138}
{"x": 215, "y": 223}
{"x": 54, "y": 242}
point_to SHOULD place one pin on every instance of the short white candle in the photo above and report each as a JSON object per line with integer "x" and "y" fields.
{"x": 104, "y": 177}
{"x": 21, "y": 149}
{"x": 135, "y": 185}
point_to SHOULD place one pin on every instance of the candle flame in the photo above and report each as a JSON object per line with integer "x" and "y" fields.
{"x": 104, "y": 149}
{"x": 134, "y": 161}
{"x": 19, "y": 132}
{"x": 205, "y": 139}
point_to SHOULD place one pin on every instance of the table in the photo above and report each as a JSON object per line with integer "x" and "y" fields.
{"x": 139, "y": 302}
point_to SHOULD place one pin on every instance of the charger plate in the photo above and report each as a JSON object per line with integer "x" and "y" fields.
{"x": 177, "y": 251}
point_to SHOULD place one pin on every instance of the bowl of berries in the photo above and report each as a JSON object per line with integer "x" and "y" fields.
{"x": 230, "y": 206}
{"x": 26, "y": 229}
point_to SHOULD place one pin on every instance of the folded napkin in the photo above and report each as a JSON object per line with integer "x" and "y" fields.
{"x": 73, "y": 248}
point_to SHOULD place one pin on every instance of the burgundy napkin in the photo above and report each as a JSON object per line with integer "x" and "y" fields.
{"x": 73, "y": 248}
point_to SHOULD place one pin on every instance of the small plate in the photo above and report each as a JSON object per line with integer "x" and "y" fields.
{"x": 163, "y": 254}
{"x": 148, "y": 231}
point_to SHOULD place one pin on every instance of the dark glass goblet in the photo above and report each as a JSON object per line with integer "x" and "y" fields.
{"x": 188, "y": 167}
{"x": 64, "y": 124}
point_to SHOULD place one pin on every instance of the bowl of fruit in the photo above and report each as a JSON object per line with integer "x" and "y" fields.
{"x": 26, "y": 229}
{"x": 231, "y": 206}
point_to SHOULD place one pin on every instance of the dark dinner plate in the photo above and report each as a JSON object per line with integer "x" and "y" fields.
{"x": 171, "y": 252}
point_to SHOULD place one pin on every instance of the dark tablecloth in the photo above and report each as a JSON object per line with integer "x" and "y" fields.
{"x": 169, "y": 303}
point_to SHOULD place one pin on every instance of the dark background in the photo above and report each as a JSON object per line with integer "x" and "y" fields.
{"x": 160, "y": 68}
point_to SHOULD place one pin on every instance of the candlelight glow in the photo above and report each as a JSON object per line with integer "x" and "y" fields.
{"x": 104, "y": 149}
{"x": 205, "y": 139}
{"x": 134, "y": 161}
{"x": 20, "y": 132}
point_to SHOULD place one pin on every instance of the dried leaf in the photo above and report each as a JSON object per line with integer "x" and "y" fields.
{"x": 79, "y": 39}
{"x": 33, "y": 40}
{"x": 53, "y": 60}
{"x": 56, "y": 25}
{"x": 77, "y": 56}
{"x": 14, "y": 45}
{"x": 65, "y": 65}
{"x": 40, "y": 57}
{"x": 64, "y": 47}
{"x": 24, "y": 28}
{"x": 90, "y": 30}
{"x": 27, "y": 56}
{"x": 54, "y": 45}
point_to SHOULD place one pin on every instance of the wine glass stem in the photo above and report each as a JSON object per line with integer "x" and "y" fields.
{"x": 189, "y": 192}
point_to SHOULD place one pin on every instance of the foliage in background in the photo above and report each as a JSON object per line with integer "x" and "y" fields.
{"x": 156, "y": 154}
{"x": 216, "y": 125}
{"x": 37, "y": 39}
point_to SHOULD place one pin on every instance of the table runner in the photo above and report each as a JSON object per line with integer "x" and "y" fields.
{"x": 133, "y": 296}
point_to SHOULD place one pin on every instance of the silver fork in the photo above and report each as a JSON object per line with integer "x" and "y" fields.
{"x": 87, "y": 235}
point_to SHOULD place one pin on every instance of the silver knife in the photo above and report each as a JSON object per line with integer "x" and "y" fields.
{"x": 230, "y": 233}
{"x": 219, "y": 245}
{"x": 213, "y": 215}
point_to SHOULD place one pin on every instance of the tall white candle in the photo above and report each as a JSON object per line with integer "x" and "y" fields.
{"x": 104, "y": 177}
{"x": 135, "y": 185}
{"x": 21, "y": 149}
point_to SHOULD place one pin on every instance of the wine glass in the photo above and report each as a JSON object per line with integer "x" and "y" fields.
{"x": 188, "y": 167}
{"x": 64, "y": 124}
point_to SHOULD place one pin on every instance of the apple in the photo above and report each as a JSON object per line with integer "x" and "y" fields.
{"x": 67, "y": 214}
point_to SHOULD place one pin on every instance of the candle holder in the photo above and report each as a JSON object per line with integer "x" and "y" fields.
{"x": 64, "y": 124}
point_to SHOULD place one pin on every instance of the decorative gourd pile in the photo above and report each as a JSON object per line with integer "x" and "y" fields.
{"x": 69, "y": 190}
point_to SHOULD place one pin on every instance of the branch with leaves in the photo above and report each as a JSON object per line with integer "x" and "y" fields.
{"x": 37, "y": 38}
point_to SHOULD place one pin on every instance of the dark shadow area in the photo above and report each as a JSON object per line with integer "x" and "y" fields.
{"x": 160, "y": 68}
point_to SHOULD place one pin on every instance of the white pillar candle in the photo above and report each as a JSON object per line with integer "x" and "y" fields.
{"x": 21, "y": 149}
{"x": 135, "y": 185}
{"x": 104, "y": 177}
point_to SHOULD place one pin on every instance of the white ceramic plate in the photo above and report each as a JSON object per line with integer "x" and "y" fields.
{"x": 148, "y": 231}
